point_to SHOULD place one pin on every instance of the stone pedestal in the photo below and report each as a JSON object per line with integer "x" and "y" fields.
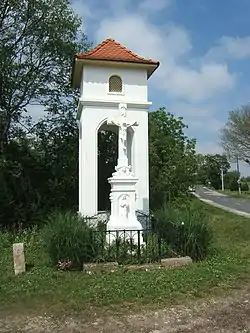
{"x": 19, "y": 259}
{"x": 123, "y": 207}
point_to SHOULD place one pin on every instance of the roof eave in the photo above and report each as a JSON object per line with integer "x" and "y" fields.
{"x": 78, "y": 64}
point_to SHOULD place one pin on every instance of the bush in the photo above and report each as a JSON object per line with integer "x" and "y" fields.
{"x": 186, "y": 230}
{"x": 231, "y": 180}
{"x": 70, "y": 241}
{"x": 244, "y": 187}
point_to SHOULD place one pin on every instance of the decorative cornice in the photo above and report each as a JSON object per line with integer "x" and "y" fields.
{"x": 90, "y": 102}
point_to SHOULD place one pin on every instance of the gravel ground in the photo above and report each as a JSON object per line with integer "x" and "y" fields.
{"x": 227, "y": 315}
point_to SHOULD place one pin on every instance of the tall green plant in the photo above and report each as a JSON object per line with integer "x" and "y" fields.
{"x": 185, "y": 229}
{"x": 68, "y": 237}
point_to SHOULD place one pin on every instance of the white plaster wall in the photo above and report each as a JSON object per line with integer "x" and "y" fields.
{"x": 94, "y": 87}
{"x": 95, "y": 84}
{"x": 91, "y": 120}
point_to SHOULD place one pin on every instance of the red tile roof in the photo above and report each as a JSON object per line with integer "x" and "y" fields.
{"x": 111, "y": 50}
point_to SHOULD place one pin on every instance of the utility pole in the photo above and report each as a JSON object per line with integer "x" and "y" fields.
{"x": 222, "y": 179}
{"x": 238, "y": 170}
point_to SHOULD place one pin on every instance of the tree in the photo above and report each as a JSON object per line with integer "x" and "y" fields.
{"x": 172, "y": 158}
{"x": 56, "y": 142}
{"x": 231, "y": 180}
{"x": 38, "y": 164}
{"x": 209, "y": 169}
{"x": 236, "y": 133}
{"x": 201, "y": 169}
{"x": 23, "y": 178}
{"x": 216, "y": 163}
{"x": 37, "y": 41}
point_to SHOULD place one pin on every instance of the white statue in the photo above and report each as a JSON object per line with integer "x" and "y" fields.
{"x": 124, "y": 206}
{"x": 123, "y": 125}
{"x": 123, "y": 129}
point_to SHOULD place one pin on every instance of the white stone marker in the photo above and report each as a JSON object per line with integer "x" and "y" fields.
{"x": 19, "y": 259}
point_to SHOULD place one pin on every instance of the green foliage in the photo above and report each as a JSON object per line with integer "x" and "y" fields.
{"x": 38, "y": 163}
{"x": 22, "y": 188}
{"x": 171, "y": 158}
{"x": 67, "y": 236}
{"x": 231, "y": 180}
{"x": 235, "y": 135}
{"x": 46, "y": 166}
{"x": 220, "y": 273}
{"x": 36, "y": 56}
{"x": 185, "y": 229}
{"x": 107, "y": 161}
{"x": 244, "y": 187}
{"x": 41, "y": 174}
{"x": 56, "y": 144}
{"x": 209, "y": 169}
{"x": 155, "y": 245}
{"x": 125, "y": 251}
{"x": 70, "y": 241}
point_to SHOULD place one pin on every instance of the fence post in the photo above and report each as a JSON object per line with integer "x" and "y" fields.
{"x": 159, "y": 247}
{"x": 139, "y": 245}
{"x": 117, "y": 242}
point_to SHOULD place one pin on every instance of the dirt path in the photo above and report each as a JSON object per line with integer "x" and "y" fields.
{"x": 226, "y": 315}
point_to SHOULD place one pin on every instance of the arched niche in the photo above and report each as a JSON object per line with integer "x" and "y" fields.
{"x": 107, "y": 151}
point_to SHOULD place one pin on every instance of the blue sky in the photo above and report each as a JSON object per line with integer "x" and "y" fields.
{"x": 203, "y": 47}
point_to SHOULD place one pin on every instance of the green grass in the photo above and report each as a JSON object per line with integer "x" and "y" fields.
{"x": 44, "y": 289}
{"x": 235, "y": 194}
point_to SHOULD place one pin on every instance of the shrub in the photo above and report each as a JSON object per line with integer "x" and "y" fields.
{"x": 231, "y": 180}
{"x": 186, "y": 230}
{"x": 245, "y": 187}
{"x": 155, "y": 247}
{"x": 69, "y": 240}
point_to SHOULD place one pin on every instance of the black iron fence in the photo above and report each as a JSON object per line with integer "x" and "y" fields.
{"x": 103, "y": 217}
{"x": 129, "y": 246}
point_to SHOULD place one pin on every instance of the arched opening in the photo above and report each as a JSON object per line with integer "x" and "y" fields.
{"x": 115, "y": 84}
{"x": 108, "y": 158}
{"x": 107, "y": 161}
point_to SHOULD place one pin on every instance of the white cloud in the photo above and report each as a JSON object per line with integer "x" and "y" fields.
{"x": 200, "y": 119}
{"x": 196, "y": 85}
{"x": 193, "y": 111}
{"x": 129, "y": 30}
{"x": 171, "y": 45}
{"x": 209, "y": 147}
{"x": 181, "y": 76}
{"x": 230, "y": 47}
{"x": 154, "y": 5}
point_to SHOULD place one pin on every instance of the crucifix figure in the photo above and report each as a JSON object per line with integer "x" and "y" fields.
{"x": 123, "y": 125}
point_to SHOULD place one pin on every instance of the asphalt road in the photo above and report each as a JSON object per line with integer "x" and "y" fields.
{"x": 242, "y": 205}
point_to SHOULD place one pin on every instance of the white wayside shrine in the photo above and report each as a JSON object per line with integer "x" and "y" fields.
{"x": 113, "y": 96}
{"x": 123, "y": 182}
